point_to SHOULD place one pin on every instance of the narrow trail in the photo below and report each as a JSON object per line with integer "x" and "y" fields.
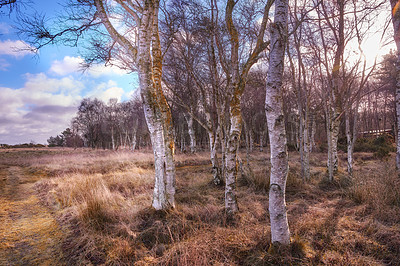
{"x": 29, "y": 234}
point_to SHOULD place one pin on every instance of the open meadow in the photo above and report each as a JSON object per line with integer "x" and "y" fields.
{"x": 92, "y": 207}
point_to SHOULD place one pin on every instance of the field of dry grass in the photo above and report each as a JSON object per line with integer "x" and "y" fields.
{"x": 101, "y": 202}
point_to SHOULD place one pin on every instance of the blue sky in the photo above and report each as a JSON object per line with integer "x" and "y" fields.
{"x": 39, "y": 95}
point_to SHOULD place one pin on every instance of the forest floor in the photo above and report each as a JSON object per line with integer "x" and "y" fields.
{"x": 60, "y": 206}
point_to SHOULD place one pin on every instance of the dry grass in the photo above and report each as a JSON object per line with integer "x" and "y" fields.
{"x": 102, "y": 200}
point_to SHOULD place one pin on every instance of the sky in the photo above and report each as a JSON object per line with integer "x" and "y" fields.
{"x": 39, "y": 94}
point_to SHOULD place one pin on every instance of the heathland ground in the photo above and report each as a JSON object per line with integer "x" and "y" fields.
{"x": 65, "y": 206}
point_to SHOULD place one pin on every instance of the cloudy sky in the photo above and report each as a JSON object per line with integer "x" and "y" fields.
{"x": 40, "y": 94}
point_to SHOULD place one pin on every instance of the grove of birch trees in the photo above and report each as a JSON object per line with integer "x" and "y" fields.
{"x": 229, "y": 76}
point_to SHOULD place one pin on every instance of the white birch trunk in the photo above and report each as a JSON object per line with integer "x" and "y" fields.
{"x": 333, "y": 135}
{"x": 306, "y": 148}
{"x": 158, "y": 115}
{"x": 236, "y": 123}
{"x": 133, "y": 142}
{"x": 192, "y": 136}
{"x": 216, "y": 172}
{"x": 112, "y": 138}
{"x": 301, "y": 140}
{"x": 335, "y": 123}
{"x": 350, "y": 144}
{"x": 276, "y": 127}
{"x": 335, "y": 93}
{"x": 156, "y": 109}
{"x": 183, "y": 142}
{"x": 332, "y": 128}
{"x": 231, "y": 166}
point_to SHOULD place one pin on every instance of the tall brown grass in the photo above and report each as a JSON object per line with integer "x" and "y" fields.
{"x": 102, "y": 200}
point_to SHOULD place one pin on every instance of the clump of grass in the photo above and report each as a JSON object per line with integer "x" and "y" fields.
{"x": 380, "y": 190}
{"x": 340, "y": 181}
{"x": 98, "y": 209}
{"x": 257, "y": 179}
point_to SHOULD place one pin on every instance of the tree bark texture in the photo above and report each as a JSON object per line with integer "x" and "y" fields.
{"x": 276, "y": 126}
{"x": 157, "y": 112}
{"x": 236, "y": 123}
{"x": 156, "y": 109}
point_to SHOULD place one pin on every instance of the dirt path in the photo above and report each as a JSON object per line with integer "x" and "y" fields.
{"x": 29, "y": 234}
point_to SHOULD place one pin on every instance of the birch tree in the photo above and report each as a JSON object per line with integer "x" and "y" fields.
{"x": 192, "y": 75}
{"x": 276, "y": 126}
{"x": 134, "y": 44}
{"x": 299, "y": 83}
{"x": 340, "y": 26}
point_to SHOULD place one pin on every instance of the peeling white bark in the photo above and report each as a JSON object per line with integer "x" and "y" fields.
{"x": 156, "y": 110}
{"x": 333, "y": 135}
{"x": 276, "y": 127}
{"x": 231, "y": 164}
{"x": 214, "y": 159}
{"x": 158, "y": 115}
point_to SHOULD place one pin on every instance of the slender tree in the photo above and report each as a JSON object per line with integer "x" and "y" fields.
{"x": 276, "y": 126}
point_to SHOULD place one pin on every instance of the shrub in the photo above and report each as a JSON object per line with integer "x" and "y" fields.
{"x": 381, "y": 145}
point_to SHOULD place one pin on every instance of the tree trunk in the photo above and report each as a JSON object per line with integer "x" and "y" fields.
{"x": 233, "y": 137}
{"x": 112, "y": 138}
{"x": 232, "y": 148}
{"x": 251, "y": 140}
{"x": 247, "y": 142}
{"x": 306, "y": 148}
{"x": 214, "y": 159}
{"x": 350, "y": 145}
{"x": 192, "y": 136}
{"x": 276, "y": 127}
{"x": 335, "y": 123}
{"x": 156, "y": 109}
{"x": 333, "y": 135}
{"x": 182, "y": 138}
{"x": 133, "y": 142}
{"x": 301, "y": 140}
{"x": 312, "y": 135}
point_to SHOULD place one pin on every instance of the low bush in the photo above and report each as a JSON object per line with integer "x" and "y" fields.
{"x": 381, "y": 145}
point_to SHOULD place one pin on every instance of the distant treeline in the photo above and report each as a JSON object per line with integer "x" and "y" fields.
{"x": 24, "y": 145}
{"x": 110, "y": 125}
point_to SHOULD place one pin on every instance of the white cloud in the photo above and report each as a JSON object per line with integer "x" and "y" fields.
{"x": 18, "y": 49}
{"x": 67, "y": 66}
{"x": 101, "y": 70}
{"x": 72, "y": 64}
{"x": 105, "y": 91}
{"x": 43, "y": 107}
